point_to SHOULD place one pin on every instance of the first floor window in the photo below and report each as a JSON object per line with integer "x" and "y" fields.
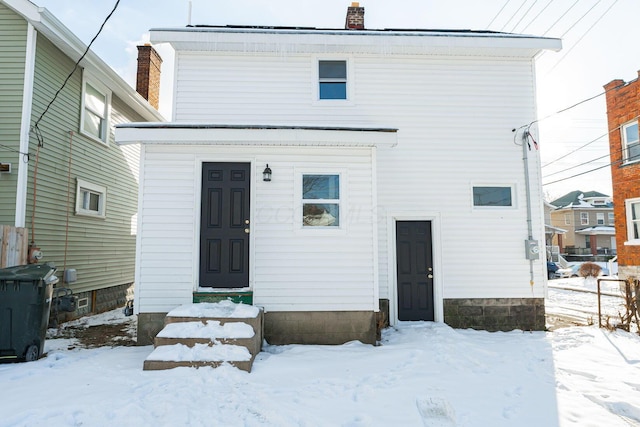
{"x": 492, "y": 196}
{"x": 90, "y": 199}
{"x": 633, "y": 219}
{"x": 321, "y": 200}
{"x": 630, "y": 142}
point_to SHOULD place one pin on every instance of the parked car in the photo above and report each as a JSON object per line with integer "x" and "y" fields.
{"x": 573, "y": 271}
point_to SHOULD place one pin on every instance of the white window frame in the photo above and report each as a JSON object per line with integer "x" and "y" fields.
{"x": 567, "y": 219}
{"x": 83, "y": 186}
{"x": 350, "y": 81}
{"x": 626, "y": 144}
{"x": 599, "y": 218}
{"x": 298, "y": 222}
{"x": 612, "y": 218}
{"x": 628, "y": 204}
{"x": 103, "y": 138}
{"x": 512, "y": 188}
{"x": 584, "y": 218}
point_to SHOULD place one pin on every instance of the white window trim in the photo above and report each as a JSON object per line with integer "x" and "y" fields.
{"x": 99, "y": 189}
{"x": 87, "y": 78}
{"x": 316, "y": 81}
{"x": 567, "y": 219}
{"x": 627, "y": 206}
{"x": 514, "y": 202}
{"x": 623, "y": 128}
{"x": 582, "y": 216}
{"x": 600, "y": 220}
{"x": 611, "y": 218}
{"x": 298, "y": 226}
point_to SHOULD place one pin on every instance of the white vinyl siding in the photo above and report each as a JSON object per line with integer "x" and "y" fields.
{"x": 288, "y": 270}
{"x": 426, "y": 98}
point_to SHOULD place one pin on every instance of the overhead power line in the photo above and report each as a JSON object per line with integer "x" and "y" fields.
{"x": 524, "y": 16}
{"x": 499, "y": 12}
{"x": 513, "y": 16}
{"x": 536, "y": 17}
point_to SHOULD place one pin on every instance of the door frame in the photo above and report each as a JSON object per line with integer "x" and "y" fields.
{"x": 199, "y": 161}
{"x": 434, "y": 217}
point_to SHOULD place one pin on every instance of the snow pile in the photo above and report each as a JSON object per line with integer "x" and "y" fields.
{"x": 215, "y": 309}
{"x": 211, "y": 329}
{"x": 422, "y": 374}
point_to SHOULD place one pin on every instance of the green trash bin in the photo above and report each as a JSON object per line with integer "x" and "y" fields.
{"x": 25, "y": 301}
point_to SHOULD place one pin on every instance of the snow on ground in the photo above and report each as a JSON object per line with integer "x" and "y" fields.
{"x": 422, "y": 374}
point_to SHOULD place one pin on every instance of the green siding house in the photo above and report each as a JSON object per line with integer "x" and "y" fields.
{"x": 63, "y": 178}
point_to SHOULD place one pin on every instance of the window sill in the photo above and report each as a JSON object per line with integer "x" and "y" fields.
{"x": 91, "y": 215}
{"x": 94, "y": 138}
{"x": 632, "y": 243}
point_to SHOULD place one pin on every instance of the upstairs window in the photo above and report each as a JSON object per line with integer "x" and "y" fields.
{"x": 630, "y": 143}
{"x": 332, "y": 77}
{"x": 611, "y": 218}
{"x": 584, "y": 218}
{"x": 321, "y": 200}
{"x": 567, "y": 219}
{"x": 95, "y": 110}
{"x": 600, "y": 218}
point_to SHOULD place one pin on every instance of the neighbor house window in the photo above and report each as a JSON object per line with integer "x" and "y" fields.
{"x": 320, "y": 200}
{"x": 611, "y": 219}
{"x": 600, "y": 218}
{"x": 584, "y": 218}
{"x": 91, "y": 199}
{"x": 492, "y": 196}
{"x": 633, "y": 220}
{"x": 332, "y": 76}
{"x": 630, "y": 143}
{"x": 567, "y": 219}
{"x": 95, "y": 110}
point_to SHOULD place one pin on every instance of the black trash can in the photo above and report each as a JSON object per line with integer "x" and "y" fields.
{"x": 25, "y": 301}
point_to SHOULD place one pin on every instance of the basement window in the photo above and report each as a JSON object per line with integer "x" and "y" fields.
{"x": 91, "y": 199}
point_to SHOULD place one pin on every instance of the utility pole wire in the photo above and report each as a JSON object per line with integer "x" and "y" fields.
{"x": 561, "y": 16}
{"x": 514, "y": 15}
{"x": 536, "y": 17}
{"x": 499, "y": 12}
{"x": 524, "y": 16}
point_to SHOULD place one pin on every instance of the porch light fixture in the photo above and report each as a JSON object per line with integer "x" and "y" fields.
{"x": 266, "y": 173}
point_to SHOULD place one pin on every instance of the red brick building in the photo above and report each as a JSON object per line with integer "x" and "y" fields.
{"x": 623, "y": 109}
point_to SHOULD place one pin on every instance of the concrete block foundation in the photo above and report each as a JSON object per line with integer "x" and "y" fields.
{"x": 495, "y": 314}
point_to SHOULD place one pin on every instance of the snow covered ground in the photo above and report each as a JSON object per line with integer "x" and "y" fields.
{"x": 422, "y": 374}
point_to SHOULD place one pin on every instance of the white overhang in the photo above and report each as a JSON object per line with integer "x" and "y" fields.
{"x": 384, "y": 42}
{"x": 210, "y": 134}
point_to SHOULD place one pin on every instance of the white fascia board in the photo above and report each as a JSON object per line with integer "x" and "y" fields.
{"x": 360, "y": 42}
{"x": 54, "y": 30}
{"x": 265, "y": 136}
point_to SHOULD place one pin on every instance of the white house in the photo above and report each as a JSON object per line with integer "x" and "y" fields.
{"x": 398, "y": 187}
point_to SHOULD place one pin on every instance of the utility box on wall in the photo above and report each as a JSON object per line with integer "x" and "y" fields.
{"x": 532, "y": 249}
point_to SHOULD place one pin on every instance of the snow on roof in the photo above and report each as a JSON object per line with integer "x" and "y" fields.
{"x": 200, "y": 353}
{"x": 215, "y": 309}
{"x": 211, "y": 329}
{"x": 599, "y": 229}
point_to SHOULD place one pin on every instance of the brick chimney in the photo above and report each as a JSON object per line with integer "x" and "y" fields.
{"x": 148, "y": 77}
{"x": 355, "y": 17}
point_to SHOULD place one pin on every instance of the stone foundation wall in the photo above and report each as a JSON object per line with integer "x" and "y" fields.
{"x": 99, "y": 301}
{"x": 320, "y": 327}
{"x": 495, "y": 314}
{"x": 149, "y": 324}
{"x": 624, "y": 272}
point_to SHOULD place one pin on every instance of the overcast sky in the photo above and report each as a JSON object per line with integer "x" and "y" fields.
{"x": 599, "y": 45}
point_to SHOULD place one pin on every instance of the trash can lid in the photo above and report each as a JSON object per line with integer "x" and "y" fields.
{"x": 27, "y": 272}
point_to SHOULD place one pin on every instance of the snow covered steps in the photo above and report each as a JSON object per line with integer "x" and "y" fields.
{"x": 208, "y": 334}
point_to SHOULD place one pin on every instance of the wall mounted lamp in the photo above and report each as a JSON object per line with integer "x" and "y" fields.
{"x": 266, "y": 173}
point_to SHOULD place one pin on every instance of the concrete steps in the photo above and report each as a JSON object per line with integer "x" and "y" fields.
{"x": 208, "y": 334}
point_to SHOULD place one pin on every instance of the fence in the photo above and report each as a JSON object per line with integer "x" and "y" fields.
{"x": 13, "y": 246}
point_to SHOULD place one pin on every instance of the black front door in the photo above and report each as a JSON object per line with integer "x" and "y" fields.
{"x": 224, "y": 225}
{"x": 415, "y": 270}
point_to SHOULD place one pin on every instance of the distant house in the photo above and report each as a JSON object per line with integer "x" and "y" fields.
{"x": 392, "y": 185}
{"x": 65, "y": 180}
{"x": 550, "y": 232}
{"x": 623, "y": 109}
{"x": 589, "y": 222}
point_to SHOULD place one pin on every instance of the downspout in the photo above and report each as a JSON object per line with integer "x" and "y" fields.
{"x": 25, "y": 124}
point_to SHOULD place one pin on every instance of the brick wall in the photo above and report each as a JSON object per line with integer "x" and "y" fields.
{"x": 148, "y": 75}
{"x": 623, "y": 106}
